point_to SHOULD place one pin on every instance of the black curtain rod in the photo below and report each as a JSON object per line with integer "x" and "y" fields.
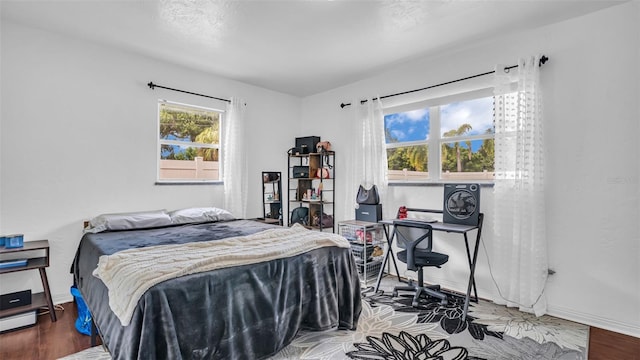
{"x": 153, "y": 86}
{"x": 543, "y": 60}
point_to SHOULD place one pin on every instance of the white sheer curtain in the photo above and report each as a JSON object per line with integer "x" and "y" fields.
{"x": 234, "y": 154}
{"x": 367, "y": 161}
{"x": 519, "y": 246}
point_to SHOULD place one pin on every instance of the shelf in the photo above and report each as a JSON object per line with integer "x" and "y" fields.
{"x": 314, "y": 163}
{"x": 267, "y": 220}
{"x": 324, "y": 228}
{"x": 312, "y": 154}
{"x": 359, "y": 223}
{"x": 311, "y": 178}
{"x": 28, "y": 246}
{"x": 32, "y": 263}
{"x": 38, "y": 301}
{"x": 312, "y": 202}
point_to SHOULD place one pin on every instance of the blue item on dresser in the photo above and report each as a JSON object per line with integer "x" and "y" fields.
{"x": 14, "y": 241}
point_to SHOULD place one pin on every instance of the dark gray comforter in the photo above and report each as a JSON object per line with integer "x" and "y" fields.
{"x": 243, "y": 312}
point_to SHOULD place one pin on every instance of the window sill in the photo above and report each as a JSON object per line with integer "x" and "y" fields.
{"x": 215, "y": 182}
{"x": 483, "y": 183}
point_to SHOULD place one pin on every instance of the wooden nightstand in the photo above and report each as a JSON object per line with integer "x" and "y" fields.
{"x": 33, "y": 253}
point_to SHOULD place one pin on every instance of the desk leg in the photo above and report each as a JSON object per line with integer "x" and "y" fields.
{"x": 473, "y": 269}
{"x": 388, "y": 253}
{"x": 47, "y": 294}
{"x": 472, "y": 265}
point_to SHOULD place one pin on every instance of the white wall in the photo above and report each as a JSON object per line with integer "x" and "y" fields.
{"x": 591, "y": 95}
{"x": 78, "y": 138}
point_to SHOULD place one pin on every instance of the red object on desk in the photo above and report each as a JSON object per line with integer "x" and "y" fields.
{"x": 402, "y": 212}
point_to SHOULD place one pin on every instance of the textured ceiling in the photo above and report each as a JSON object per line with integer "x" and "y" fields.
{"x": 295, "y": 47}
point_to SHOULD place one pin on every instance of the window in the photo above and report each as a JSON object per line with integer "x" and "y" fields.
{"x": 446, "y": 139}
{"x": 188, "y": 143}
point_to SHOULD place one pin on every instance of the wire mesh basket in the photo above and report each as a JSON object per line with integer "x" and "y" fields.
{"x": 360, "y": 234}
{"x": 368, "y": 271}
{"x": 362, "y": 251}
{"x": 349, "y": 232}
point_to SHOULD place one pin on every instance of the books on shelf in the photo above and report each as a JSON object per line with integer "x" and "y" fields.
{"x": 12, "y": 263}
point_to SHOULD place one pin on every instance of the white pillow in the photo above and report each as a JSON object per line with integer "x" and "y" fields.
{"x": 199, "y": 215}
{"x": 129, "y": 221}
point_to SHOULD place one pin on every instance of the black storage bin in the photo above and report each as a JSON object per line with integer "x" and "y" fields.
{"x": 307, "y": 144}
{"x": 370, "y": 213}
{"x": 301, "y": 172}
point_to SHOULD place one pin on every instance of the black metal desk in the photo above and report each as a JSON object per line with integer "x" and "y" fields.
{"x": 446, "y": 227}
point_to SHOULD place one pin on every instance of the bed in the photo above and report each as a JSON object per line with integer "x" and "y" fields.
{"x": 246, "y": 311}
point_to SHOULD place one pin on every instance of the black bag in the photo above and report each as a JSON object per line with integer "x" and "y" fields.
{"x": 300, "y": 215}
{"x": 300, "y": 172}
{"x": 368, "y": 197}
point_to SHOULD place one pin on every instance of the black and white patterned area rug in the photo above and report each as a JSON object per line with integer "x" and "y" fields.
{"x": 390, "y": 328}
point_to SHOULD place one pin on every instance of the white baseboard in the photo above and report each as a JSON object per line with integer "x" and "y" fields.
{"x": 61, "y": 298}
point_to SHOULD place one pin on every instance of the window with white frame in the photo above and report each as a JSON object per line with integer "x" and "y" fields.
{"x": 189, "y": 142}
{"x": 444, "y": 139}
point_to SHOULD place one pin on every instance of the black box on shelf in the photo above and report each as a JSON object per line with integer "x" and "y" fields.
{"x": 370, "y": 213}
{"x": 307, "y": 144}
{"x": 14, "y": 300}
{"x": 300, "y": 172}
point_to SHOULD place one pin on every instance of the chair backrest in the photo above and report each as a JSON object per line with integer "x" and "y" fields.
{"x": 407, "y": 234}
{"x": 412, "y": 235}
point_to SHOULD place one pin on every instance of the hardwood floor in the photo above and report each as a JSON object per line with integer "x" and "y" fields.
{"x": 606, "y": 345}
{"x": 50, "y": 341}
{"x": 45, "y": 340}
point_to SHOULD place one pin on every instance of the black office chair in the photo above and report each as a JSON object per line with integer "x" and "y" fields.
{"x": 409, "y": 235}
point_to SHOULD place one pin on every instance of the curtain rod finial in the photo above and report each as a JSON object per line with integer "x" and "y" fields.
{"x": 151, "y": 85}
{"x": 543, "y": 60}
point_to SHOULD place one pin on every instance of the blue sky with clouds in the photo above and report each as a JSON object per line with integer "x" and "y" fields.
{"x": 477, "y": 112}
{"x": 408, "y": 126}
{"x": 414, "y": 125}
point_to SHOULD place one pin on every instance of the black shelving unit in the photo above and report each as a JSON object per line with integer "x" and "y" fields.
{"x": 315, "y": 191}
{"x": 272, "y": 197}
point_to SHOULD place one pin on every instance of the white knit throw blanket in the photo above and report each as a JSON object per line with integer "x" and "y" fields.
{"x": 128, "y": 274}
